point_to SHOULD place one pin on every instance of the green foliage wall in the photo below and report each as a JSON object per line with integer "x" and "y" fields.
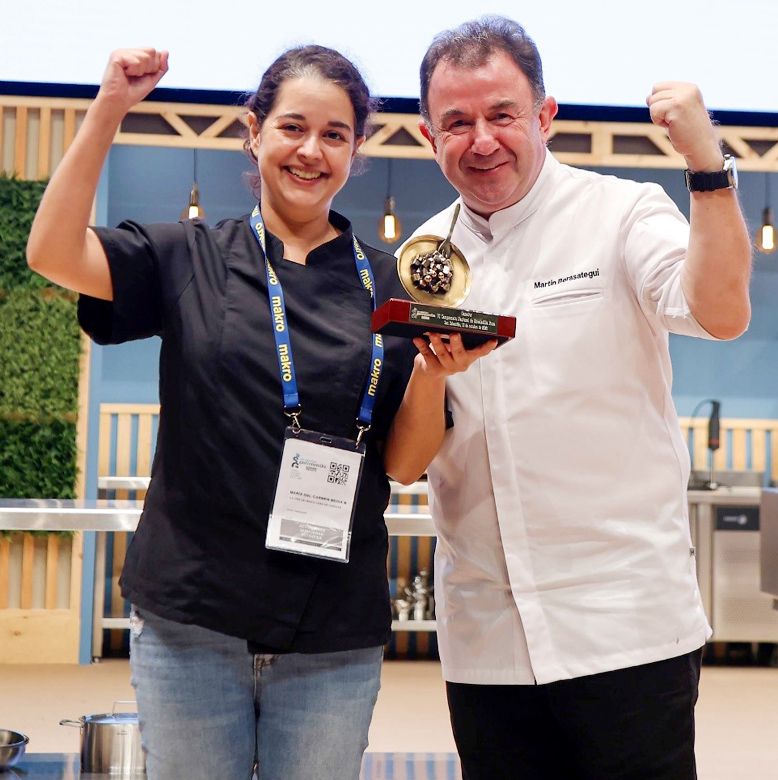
{"x": 39, "y": 351}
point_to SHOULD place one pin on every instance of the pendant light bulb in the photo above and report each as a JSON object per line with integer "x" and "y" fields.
{"x": 765, "y": 235}
{"x": 389, "y": 229}
{"x": 194, "y": 210}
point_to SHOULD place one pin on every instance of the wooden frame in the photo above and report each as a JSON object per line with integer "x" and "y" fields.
{"x": 34, "y": 133}
{"x": 125, "y": 448}
{"x": 745, "y": 445}
{"x": 40, "y": 589}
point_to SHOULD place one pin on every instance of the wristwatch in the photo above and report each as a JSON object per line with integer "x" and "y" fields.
{"x": 705, "y": 181}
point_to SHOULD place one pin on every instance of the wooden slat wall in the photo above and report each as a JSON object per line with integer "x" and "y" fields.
{"x": 20, "y": 145}
{"x": 52, "y": 571}
{"x": 28, "y": 550}
{"x": 44, "y": 144}
{"x": 40, "y": 585}
{"x": 5, "y": 559}
{"x": 120, "y": 453}
{"x": 144, "y": 444}
{"x": 35, "y": 571}
{"x": 744, "y": 445}
{"x": 104, "y": 445}
{"x": 121, "y": 448}
{"x": 409, "y": 556}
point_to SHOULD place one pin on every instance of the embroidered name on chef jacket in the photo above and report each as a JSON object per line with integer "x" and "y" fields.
{"x": 567, "y": 279}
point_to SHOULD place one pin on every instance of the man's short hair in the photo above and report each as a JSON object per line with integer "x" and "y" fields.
{"x": 471, "y": 44}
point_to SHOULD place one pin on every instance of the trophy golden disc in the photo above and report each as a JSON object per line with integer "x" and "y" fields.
{"x": 428, "y": 249}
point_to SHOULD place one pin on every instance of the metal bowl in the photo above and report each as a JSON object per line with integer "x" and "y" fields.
{"x": 12, "y": 747}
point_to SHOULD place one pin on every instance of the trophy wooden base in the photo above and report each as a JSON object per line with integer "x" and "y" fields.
{"x": 409, "y": 319}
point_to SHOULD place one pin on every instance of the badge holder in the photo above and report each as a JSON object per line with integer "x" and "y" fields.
{"x": 315, "y": 497}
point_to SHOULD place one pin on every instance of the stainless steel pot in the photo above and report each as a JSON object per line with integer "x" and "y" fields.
{"x": 110, "y": 743}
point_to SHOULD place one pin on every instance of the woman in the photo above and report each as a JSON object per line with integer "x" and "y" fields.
{"x": 242, "y": 648}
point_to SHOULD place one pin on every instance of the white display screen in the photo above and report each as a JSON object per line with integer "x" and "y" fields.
{"x": 605, "y": 53}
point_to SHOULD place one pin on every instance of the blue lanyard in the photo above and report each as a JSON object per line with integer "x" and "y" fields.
{"x": 275, "y": 296}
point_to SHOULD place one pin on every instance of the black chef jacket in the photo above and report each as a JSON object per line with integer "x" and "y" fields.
{"x": 199, "y": 553}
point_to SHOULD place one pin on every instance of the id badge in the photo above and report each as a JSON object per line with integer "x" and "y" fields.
{"x": 313, "y": 506}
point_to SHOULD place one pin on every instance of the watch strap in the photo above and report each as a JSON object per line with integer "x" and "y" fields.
{"x": 708, "y": 181}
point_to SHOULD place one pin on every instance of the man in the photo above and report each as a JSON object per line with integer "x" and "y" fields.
{"x": 570, "y": 622}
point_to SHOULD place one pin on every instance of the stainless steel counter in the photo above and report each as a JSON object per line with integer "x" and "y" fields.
{"x": 769, "y": 544}
{"x": 49, "y": 514}
{"x": 39, "y": 514}
{"x": 375, "y": 766}
{"x": 49, "y": 766}
{"x": 103, "y": 515}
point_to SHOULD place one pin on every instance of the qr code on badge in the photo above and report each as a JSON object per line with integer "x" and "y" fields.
{"x": 338, "y": 473}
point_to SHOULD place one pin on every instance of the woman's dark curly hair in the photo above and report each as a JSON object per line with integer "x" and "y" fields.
{"x": 318, "y": 61}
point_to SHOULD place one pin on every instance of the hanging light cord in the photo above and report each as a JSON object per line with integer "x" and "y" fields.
{"x": 389, "y": 178}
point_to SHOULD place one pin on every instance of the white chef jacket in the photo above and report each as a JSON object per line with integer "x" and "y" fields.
{"x": 559, "y": 495}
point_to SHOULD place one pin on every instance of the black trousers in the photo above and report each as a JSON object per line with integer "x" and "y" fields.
{"x": 630, "y": 724}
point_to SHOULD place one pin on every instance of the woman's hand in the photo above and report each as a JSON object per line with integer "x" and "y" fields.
{"x": 130, "y": 75}
{"x": 443, "y": 357}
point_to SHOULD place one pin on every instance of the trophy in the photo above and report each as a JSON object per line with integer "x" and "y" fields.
{"x": 436, "y": 275}
{"x": 420, "y": 594}
{"x": 403, "y": 607}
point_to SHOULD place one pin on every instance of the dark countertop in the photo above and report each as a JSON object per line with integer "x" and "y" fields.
{"x": 768, "y": 521}
{"x": 53, "y": 514}
{"x": 52, "y": 766}
{"x": 375, "y": 766}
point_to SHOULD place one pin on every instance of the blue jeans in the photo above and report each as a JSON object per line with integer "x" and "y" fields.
{"x": 210, "y": 710}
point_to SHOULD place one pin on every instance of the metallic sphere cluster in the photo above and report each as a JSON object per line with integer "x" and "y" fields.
{"x": 432, "y": 272}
